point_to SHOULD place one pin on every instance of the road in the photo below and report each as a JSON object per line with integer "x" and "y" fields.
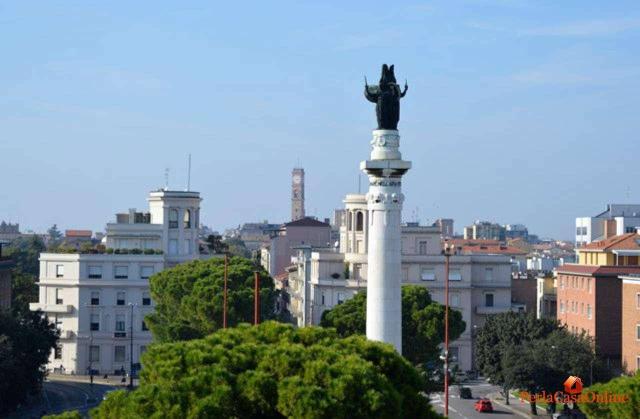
{"x": 463, "y": 408}
{"x": 59, "y": 396}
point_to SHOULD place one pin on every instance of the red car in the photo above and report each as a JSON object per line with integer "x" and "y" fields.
{"x": 483, "y": 405}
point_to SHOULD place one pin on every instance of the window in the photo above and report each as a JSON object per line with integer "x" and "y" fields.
{"x": 589, "y": 284}
{"x": 122, "y": 272}
{"x": 118, "y": 355}
{"x": 322, "y": 299}
{"x": 173, "y": 246}
{"x": 359, "y": 221}
{"x": 581, "y": 308}
{"x": 561, "y": 307}
{"x": 146, "y": 299}
{"x": 359, "y": 246}
{"x": 488, "y": 300}
{"x": 94, "y": 353}
{"x": 561, "y": 283}
{"x": 95, "y": 322}
{"x": 579, "y": 231}
{"x": 629, "y": 229}
{"x": 119, "y": 322}
{"x": 59, "y": 299}
{"x": 488, "y": 274}
{"x": 186, "y": 219}
{"x": 95, "y": 298}
{"x": 120, "y": 297}
{"x": 95, "y": 272}
{"x": 57, "y": 352}
{"x": 638, "y": 363}
{"x": 146, "y": 272}
{"x": 348, "y": 214}
{"x": 357, "y": 271}
{"x": 340, "y": 297}
{"x": 187, "y": 247}
{"x": 638, "y": 300}
{"x": 59, "y": 271}
{"x": 455, "y": 275}
{"x": 454, "y": 300}
{"x": 422, "y": 248}
{"x": 173, "y": 218}
{"x": 589, "y": 311}
{"x": 144, "y": 327}
{"x": 632, "y": 260}
{"x": 638, "y": 331}
{"x": 57, "y": 322}
{"x": 428, "y": 274}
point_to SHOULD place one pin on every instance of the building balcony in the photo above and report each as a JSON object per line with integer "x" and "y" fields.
{"x": 67, "y": 334}
{"x": 492, "y": 310}
{"x": 51, "y": 308}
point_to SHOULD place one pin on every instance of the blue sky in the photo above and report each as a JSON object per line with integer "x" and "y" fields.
{"x": 517, "y": 111}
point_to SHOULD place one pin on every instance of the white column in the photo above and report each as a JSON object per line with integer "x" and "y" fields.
{"x": 384, "y": 203}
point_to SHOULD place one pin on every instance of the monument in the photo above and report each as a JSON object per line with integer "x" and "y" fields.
{"x": 384, "y": 204}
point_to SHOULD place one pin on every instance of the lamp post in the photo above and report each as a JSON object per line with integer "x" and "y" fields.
{"x": 256, "y": 299}
{"x": 224, "y": 302}
{"x": 131, "y": 349}
{"x": 447, "y": 251}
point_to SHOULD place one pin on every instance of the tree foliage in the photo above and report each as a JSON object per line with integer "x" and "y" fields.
{"x": 422, "y": 322}
{"x": 26, "y": 341}
{"x": 189, "y": 298}
{"x": 25, "y": 252}
{"x": 272, "y": 371}
{"x": 516, "y": 350}
{"x": 236, "y": 247}
{"x": 628, "y": 385}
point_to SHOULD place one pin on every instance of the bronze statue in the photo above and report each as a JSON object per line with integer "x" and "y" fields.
{"x": 386, "y": 96}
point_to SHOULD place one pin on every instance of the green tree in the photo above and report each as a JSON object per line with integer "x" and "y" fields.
{"x": 71, "y": 414}
{"x": 499, "y": 335}
{"x": 189, "y": 298}
{"x": 422, "y": 322}
{"x": 236, "y": 247}
{"x": 272, "y": 371}
{"x": 55, "y": 236}
{"x": 26, "y": 341}
{"x": 627, "y": 385}
{"x": 25, "y": 252}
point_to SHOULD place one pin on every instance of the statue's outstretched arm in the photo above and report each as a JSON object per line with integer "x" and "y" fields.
{"x": 406, "y": 87}
{"x": 370, "y": 96}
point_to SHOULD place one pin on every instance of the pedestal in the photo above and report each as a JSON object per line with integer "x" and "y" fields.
{"x": 384, "y": 203}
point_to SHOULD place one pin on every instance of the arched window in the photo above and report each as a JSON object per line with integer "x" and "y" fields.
{"x": 349, "y": 223}
{"x": 173, "y": 218}
{"x": 359, "y": 221}
{"x": 187, "y": 219}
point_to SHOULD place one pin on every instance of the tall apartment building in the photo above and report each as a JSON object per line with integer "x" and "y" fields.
{"x": 631, "y": 323}
{"x": 320, "y": 279}
{"x": 99, "y": 300}
{"x": 589, "y": 293}
{"x": 616, "y": 220}
{"x": 484, "y": 230}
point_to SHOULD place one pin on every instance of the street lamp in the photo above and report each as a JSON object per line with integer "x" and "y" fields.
{"x": 131, "y": 348}
{"x": 447, "y": 251}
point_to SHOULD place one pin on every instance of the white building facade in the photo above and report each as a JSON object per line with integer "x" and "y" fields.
{"x": 99, "y": 301}
{"x": 616, "y": 220}
{"x": 479, "y": 285}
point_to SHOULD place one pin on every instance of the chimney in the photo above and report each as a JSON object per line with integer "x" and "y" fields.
{"x": 609, "y": 228}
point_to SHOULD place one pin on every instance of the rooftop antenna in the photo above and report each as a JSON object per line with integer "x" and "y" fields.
{"x": 189, "y": 174}
{"x": 166, "y": 179}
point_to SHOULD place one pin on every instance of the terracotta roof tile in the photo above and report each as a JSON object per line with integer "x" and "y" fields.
{"x": 627, "y": 241}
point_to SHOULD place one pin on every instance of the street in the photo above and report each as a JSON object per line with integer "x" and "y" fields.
{"x": 464, "y": 408}
{"x": 61, "y": 395}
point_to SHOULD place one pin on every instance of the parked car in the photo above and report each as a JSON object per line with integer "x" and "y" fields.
{"x": 484, "y": 406}
{"x": 464, "y": 392}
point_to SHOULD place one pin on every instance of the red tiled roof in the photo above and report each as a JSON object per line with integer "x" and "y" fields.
{"x": 78, "y": 233}
{"x": 594, "y": 270}
{"x": 627, "y": 241}
{"x": 472, "y": 242}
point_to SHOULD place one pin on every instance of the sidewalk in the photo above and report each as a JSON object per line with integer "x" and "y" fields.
{"x": 517, "y": 406}
{"x": 113, "y": 380}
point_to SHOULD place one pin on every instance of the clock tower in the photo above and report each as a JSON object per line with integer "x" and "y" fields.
{"x": 297, "y": 194}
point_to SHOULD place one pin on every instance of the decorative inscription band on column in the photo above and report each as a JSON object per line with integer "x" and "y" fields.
{"x": 382, "y": 182}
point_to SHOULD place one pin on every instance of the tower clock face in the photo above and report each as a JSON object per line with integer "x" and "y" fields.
{"x": 297, "y": 179}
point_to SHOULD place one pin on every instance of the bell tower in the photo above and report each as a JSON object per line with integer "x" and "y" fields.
{"x": 297, "y": 194}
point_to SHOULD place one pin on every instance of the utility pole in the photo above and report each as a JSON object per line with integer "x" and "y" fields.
{"x": 256, "y": 299}
{"x": 224, "y": 303}
{"x": 447, "y": 254}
